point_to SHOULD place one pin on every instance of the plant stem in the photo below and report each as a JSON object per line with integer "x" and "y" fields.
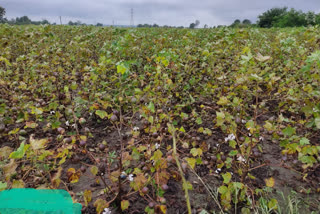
{"x": 185, "y": 185}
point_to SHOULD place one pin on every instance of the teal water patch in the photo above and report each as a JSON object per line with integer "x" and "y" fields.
{"x": 43, "y": 201}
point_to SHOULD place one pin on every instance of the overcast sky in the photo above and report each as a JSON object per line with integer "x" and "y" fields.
{"x": 162, "y": 12}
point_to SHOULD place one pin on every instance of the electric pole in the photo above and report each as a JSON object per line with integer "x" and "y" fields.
{"x": 131, "y": 21}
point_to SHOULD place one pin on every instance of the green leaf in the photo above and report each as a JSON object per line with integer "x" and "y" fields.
{"x": 165, "y": 62}
{"x": 232, "y": 144}
{"x": 307, "y": 159}
{"x": 199, "y": 120}
{"x": 288, "y": 131}
{"x": 304, "y": 141}
{"x": 226, "y": 177}
{"x": 220, "y": 118}
{"x": 102, "y": 114}
{"x": 317, "y": 122}
{"x": 151, "y": 107}
{"x": 237, "y": 185}
{"x": 187, "y": 185}
{"x": 74, "y": 85}
{"x": 55, "y": 124}
{"x": 19, "y": 153}
{"x": 182, "y": 129}
{"x": 233, "y": 153}
{"x": 171, "y": 128}
{"x": 223, "y": 190}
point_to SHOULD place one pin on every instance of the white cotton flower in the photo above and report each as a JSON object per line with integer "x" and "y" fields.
{"x": 261, "y": 138}
{"x": 67, "y": 123}
{"x": 52, "y": 112}
{"x": 157, "y": 145}
{"x": 243, "y": 121}
{"x": 106, "y": 211}
{"x": 218, "y": 171}
{"x": 130, "y": 177}
{"x": 90, "y": 113}
{"x": 73, "y": 125}
{"x": 249, "y": 135}
{"x": 136, "y": 128}
{"x": 241, "y": 159}
{"x": 230, "y": 137}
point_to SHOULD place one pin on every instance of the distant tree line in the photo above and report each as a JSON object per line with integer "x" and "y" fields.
{"x": 275, "y": 17}
{"x": 157, "y": 26}
{"x": 282, "y": 17}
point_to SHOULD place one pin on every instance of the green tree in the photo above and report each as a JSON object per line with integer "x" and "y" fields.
{"x": 195, "y": 24}
{"x": 292, "y": 18}
{"x": 246, "y": 22}
{"x": 311, "y": 18}
{"x": 236, "y": 23}
{"x": 23, "y": 20}
{"x": 317, "y": 19}
{"x": 268, "y": 18}
{"x": 2, "y": 13}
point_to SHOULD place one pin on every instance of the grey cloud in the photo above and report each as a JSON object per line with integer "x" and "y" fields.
{"x": 163, "y": 12}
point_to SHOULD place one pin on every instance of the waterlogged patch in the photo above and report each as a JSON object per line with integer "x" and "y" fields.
{"x": 37, "y": 201}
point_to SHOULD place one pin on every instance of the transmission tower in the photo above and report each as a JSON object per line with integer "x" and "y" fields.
{"x": 131, "y": 20}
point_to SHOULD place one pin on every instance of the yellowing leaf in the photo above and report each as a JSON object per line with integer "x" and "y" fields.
{"x": 268, "y": 126}
{"x": 87, "y": 195}
{"x": 56, "y": 178}
{"x": 102, "y": 114}
{"x": 191, "y": 162}
{"x": 9, "y": 169}
{"x": 94, "y": 170}
{"x": 196, "y": 151}
{"x": 138, "y": 182}
{"x": 273, "y": 204}
{"x": 100, "y": 204}
{"x": 3, "y": 186}
{"x": 223, "y": 101}
{"x": 121, "y": 69}
{"x": 5, "y": 152}
{"x": 73, "y": 175}
{"x": 162, "y": 208}
{"x": 261, "y": 58}
{"x": 31, "y": 125}
{"x": 38, "y": 144}
{"x": 124, "y": 204}
{"x": 17, "y": 184}
{"x": 270, "y": 182}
